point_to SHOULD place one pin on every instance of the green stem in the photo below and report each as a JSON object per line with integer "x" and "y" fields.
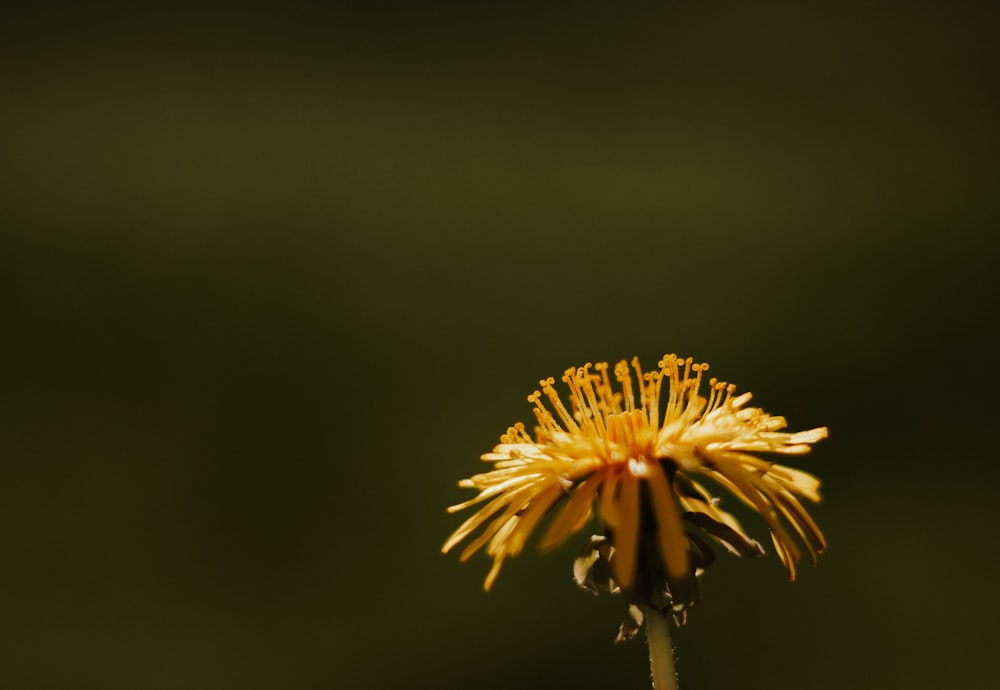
{"x": 661, "y": 653}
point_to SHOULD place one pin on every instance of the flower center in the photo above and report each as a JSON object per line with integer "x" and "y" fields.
{"x": 631, "y": 435}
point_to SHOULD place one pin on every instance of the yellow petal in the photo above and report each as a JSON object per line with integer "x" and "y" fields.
{"x": 670, "y": 533}
{"x": 607, "y": 506}
{"x": 626, "y": 534}
{"x": 755, "y": 489}
{"x": 568, "y": 519}
{"x": 486, "y": 513}
{"x": 540, "y": 505}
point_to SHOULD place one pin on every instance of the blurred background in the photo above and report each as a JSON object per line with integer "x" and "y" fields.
{"x": 272, "y": 278}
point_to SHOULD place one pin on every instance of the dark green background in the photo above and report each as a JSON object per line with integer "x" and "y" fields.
{"x": 273, "y": 278}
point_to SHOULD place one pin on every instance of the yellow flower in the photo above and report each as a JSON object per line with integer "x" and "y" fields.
{"x": 636, "y": 452}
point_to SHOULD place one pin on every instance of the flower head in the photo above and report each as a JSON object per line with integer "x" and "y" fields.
{"x": 639, "y": 452}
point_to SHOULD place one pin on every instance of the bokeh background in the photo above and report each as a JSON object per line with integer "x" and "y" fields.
{"x": 273, "y": 277}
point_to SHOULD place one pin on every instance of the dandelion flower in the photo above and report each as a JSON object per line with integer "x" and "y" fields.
{"x": 643, "y": 455}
